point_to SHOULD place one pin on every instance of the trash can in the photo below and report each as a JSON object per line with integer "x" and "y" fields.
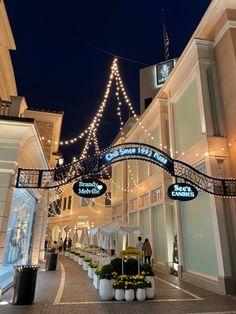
{"x": 24, "y": 284}
{"x": 51, "y": 261}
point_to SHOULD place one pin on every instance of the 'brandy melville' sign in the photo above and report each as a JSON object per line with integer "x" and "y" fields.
{"x": 182, "y": 192}
{"x": 89, "y": 188}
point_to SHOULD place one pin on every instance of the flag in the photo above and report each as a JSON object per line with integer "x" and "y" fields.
{"x": 165, "y": 38}
{"x": 166, "y": 45}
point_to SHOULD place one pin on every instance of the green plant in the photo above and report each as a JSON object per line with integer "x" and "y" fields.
{"x": 93, "y": 265}
{"x": 146, "y": 270}
{"x": 87, "y": 259}
{"x": 117, "y": 265}
{"x": 107, "y": 272}
{"x": 148, "y": 284}
{"x": 119, "y": 284}
{"x": 81, "y": 255}
{"x": 129, "y": 285}
{"x": 131, "y": 266}
{"x": 139, "y": 285}
{"x": 98, "y": 271}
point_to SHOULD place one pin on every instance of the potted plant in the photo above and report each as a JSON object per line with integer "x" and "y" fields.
{"x": 96, "y": 278}
{"x": 149, "y": 290}
{"x": 129, "y": 290}
{"x": 146, "y": 270}
{"x": 86, "y": 261}
{"x": 81, "y": 258}
{"x": 76, "y": 257}
{"x": 119, "y": 286}
{"x": 140, "y": 290}
{"x": 91, "y": 266}
{"x": 106, "y": 290}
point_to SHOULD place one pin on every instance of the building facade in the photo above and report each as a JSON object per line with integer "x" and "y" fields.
{"x": 192, "y": 119}
{"x": 23, "y": 212}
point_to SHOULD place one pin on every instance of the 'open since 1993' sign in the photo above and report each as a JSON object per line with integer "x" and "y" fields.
{"x": 89, "y": 188}
{"x": 182, "y": 192}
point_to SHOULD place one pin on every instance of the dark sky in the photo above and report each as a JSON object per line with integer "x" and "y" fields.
{"x": 57, "y": 66}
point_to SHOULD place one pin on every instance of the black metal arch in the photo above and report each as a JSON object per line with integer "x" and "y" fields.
{"x": 52, "y": 178}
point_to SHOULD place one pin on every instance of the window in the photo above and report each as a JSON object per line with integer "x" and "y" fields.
{"x": 69, "y": 202}
{"x": 108, "y": 199}
{"x": 133, "y": 204}
{"x": 156, "y": 195}
{"x": 147, "y": 102}
{"x": 144, "y": 200}
{"x": 64, "y": 203}
{"x": 83, "y": 202}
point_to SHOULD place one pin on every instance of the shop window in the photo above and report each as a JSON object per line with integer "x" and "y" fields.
{"x": 69, "y": 202}
{"x": 19, "y": 234}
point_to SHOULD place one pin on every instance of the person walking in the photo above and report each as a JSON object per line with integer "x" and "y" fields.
{"x": 139, "y": 246}
{"x": 61, "y": 244}
{"x": 69, "y": 244}
{"x": 147, "y": 250}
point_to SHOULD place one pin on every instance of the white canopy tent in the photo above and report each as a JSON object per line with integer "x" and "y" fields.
{"x": 114, "y": 227}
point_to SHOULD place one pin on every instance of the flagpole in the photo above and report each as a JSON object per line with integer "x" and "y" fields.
{"x": 165, "y": 37}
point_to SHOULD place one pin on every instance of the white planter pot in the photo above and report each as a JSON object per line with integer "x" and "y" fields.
{"x": 90, "y": 273}
{"x": 141, "y": 294}
{"x": 106, "y": 290}
{"x": 76, "y": 258}
{"x": 66, "y": 253}
{"x": 85, "y": 265}
{"x": 149, "y": 293}
{"x": 129, "y": 295}
{"x": 96, "y": 281}
{"x": 152, "y": 280}
{"x": 80, "y": 261}
{"x": 71, "y": 256}
{"x": 119, "y": 294}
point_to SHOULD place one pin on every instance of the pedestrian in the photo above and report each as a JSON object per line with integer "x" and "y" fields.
{"x": 65, "y": 244}
{"x": 147, "y": 251}
{"x": 69, "y": 243}
{"x": 54, "y": 248}
{"x": 61, "y": 243}
{"x": 49, "y": 244}
{"x": 139, "y": 246}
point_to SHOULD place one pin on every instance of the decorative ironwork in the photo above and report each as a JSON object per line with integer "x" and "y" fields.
{"x": 52, "y": 178}
{"x": 217, "y": 186}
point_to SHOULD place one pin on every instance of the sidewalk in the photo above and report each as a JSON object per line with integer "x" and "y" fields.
{"x": 69, "y": 290}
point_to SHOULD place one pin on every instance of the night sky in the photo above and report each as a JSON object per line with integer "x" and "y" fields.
{"x": 60, "y": 65}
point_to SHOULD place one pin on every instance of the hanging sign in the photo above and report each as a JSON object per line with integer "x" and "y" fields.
{"x": 89, "y": 188}
{"x": 67, "y": 228}
{"x": 182, "y": 192}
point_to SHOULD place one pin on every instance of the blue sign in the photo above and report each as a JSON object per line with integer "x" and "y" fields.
{"x": 182, "y": 192}
{"x": 89, "y": 188}
{"x": 136, "y": 151}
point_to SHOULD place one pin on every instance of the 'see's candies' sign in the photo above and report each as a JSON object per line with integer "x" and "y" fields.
{"x": 182, "y": 192}
{"x": 89, "y": 188}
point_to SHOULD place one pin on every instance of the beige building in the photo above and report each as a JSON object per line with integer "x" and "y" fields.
{"x": 192, "y": 118}
{"x": 23, "y": 212}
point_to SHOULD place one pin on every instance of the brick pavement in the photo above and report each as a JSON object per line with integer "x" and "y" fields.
{"x": 79, "y": 296}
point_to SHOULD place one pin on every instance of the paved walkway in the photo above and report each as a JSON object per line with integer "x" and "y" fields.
{"x": 69, "y": 290}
